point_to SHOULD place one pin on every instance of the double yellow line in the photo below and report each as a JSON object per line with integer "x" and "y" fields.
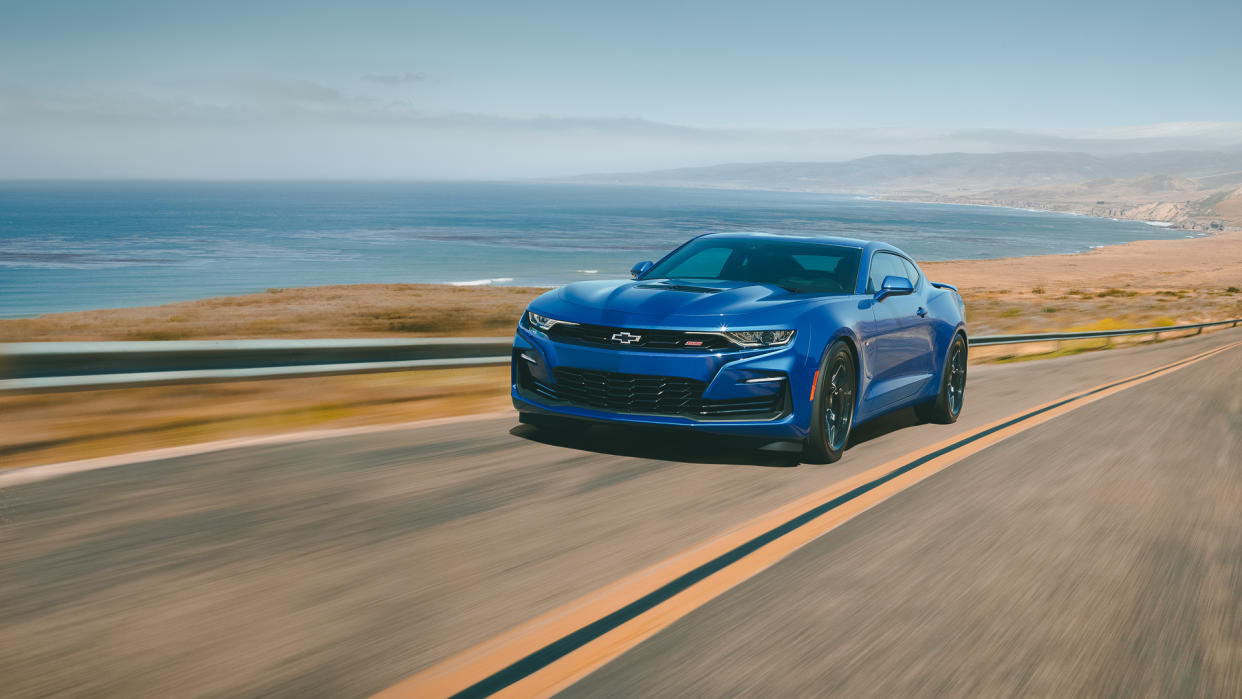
{"x": 551, "y": 652}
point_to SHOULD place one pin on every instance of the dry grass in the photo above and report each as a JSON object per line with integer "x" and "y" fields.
{"x": 1141, "y": 284}
{"x": 993, "y": 313}
{"x": 1002, "y": 354}
{"x": 362, "y": 310}
{"x": 66, "y": 426}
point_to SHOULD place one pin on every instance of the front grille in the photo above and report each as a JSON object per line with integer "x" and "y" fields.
{"x": 632, "y": 338}
{"x": 643, "y": 393}
{"x": 638, "y": 393}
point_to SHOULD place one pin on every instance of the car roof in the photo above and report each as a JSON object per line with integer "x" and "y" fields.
{"x": 867, "y": 245}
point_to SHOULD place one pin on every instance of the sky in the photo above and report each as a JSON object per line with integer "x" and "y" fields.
{"x": 470, "y": 89}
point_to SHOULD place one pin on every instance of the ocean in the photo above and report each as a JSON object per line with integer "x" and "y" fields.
{"x": 67, "y": 246}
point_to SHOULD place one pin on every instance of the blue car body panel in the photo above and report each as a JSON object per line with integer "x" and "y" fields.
{"x": 901, "y": 343}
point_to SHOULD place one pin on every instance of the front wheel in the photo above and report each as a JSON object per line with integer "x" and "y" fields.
{"x": 948, "y": 403}
{"x": 832, "y": 410}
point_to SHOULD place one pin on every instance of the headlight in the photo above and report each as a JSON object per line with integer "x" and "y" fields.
{"x": 539, "y": 322}
{"x": 760, "y": 338}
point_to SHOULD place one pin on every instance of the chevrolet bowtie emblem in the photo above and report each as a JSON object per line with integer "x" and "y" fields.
{"x": 626, "y": 338}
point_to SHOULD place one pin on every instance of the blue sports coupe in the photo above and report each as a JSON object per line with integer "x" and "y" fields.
{"x": 776, "y": 337}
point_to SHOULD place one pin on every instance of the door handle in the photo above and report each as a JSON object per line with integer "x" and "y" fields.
{"x": 922, "y": 312}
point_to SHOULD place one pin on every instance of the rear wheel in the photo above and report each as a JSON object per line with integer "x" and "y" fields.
{"x": 948, "y": 403}
{"x": 832, "y": 411}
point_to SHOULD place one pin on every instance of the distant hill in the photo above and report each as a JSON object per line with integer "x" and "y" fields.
{"x": 884, "y": 173}
{"x": 1192, "y": 189}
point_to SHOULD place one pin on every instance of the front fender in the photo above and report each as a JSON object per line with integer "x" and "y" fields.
{"x": 838, "y": 319}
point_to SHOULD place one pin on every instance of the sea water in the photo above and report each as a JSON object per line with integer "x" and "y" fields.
{"x": 68, "y": 246}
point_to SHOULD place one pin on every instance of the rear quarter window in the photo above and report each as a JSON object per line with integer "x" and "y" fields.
{"x": 912, "y": 271}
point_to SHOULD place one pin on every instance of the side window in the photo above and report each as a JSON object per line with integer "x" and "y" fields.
{"x": 883, "y": 264}
{"x": 912, "y": 272}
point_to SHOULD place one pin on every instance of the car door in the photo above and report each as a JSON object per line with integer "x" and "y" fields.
{"x": 897, "y": 347}
{"x": 922, "y": 326}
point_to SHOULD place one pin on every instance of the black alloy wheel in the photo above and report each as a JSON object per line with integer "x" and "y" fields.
{"x": 947, "y": 405}
{"x": 833, "y": 407}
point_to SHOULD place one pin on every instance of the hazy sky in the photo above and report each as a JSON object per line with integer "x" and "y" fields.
{"x": 121, "y": 88}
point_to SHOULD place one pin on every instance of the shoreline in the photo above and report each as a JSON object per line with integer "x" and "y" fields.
{"x": 1179, "y": 214}
{"x": 1179, "y": 211}
{"x": 1185, "y": 279}
{"x": 1166, "y": 225}
{"x": 905, "y": 199}
{"x": 1109, "y": 231}
{"x": 384, "y": 309}
{"x": 502, "y": 283}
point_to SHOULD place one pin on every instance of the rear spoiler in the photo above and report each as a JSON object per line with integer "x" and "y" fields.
{"x": 939, "y": 285}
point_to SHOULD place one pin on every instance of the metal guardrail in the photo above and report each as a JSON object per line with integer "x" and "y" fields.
{"x": 41, "y": 367}
{"x": 985, "y": 340}
{"x": 76, "y": 366}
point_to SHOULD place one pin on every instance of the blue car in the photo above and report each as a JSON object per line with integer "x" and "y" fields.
{"x": 775, "y": 337}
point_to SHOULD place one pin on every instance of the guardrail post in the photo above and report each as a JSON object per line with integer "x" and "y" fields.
{"x": 1198, "y": 331}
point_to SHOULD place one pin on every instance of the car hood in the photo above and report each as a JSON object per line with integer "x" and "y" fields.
{"x": 673, "y": 301}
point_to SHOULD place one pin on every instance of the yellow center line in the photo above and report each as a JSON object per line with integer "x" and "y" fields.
{"x": 508, "y": 664}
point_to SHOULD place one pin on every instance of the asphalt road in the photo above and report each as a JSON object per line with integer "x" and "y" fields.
{"x": 1099, "y": 553}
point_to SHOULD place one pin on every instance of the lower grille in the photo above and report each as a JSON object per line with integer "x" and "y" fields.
{"x": 637, "y": 393}
{"x": 740, "y": 406}
{"x": 644, "y": 393}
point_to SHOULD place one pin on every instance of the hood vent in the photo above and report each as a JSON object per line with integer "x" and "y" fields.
{"x": 673, "y": 286}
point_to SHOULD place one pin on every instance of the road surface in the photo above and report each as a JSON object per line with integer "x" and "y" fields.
{"x": 1096, "y": 549}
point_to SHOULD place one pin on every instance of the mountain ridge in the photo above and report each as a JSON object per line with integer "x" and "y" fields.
{"x": 1181, "y": 187}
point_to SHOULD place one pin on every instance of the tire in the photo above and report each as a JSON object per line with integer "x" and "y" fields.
{"x": 948, "y": 403}
{"x": 551, "y": 423}
{"x": 832, "y": 411}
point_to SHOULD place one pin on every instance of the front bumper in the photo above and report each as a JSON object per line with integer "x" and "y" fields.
{"x": 726, "y": 379}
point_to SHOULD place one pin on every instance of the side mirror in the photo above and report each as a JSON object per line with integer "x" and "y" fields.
{"x": 894, "y": 286}
{"x": 641, "y": 268}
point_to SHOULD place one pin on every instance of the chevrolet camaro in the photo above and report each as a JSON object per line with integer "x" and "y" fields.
{"x": 775, "y": 337}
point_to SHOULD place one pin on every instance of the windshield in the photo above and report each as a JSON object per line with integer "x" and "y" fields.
{"x": 795, "y": 265}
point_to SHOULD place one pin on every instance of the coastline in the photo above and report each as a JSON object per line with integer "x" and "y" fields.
{"x": 913, "y": 197}
{"x": 1180, "y": 280}
{"x": 52, "y": 282}
{"x": 1168, "y": 225}
{"x": 1179, "y": 214}
{"x": 1204, "y": 259}
{"x": 896, "y": 198}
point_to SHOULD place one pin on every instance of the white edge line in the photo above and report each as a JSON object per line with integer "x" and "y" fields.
{"x": 156, "y": 378}
{"x": 31, "y": 474}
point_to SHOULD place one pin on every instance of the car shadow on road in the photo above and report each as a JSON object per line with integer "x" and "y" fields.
{"x": 692, "y": 447}
{"x": 663, "y": 445}
{"x": 883, "y": 425}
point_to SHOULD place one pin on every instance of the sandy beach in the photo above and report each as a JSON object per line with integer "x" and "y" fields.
{"x": 1200, "y": 262}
